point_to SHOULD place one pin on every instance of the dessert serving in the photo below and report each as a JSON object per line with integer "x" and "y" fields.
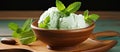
{"x": 59, "y": 27}
{"x": 64, "y": 18}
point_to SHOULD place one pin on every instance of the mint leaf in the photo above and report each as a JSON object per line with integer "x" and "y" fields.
{"x": 93, "y": 17}
{"x": 89, "y": 21}
{"x": 27, "y": 40}
{"x": 26, "y": 25}
{"x": 27, "y": 37}
{"x": 90, "y": 18}
{"x": 73, "y": 7}
{"x": 15, "y": 34}
{"x": 44, "y": 23}
{"x": 47, "y": 19}
{"x": 25, "y": 33}
{"x": 13, "y": 26}
{"x": 86, "y": 15}
{"x": 86, "y": 12}
{"x": 60, "y": 5}
{"x": 70, "y": 9}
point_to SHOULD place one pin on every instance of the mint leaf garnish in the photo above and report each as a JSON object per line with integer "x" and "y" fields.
{"x": 70, "y": 9}
{"x": 44, "y": 23}
{"x": 89, "y": 21}
{"x": 93, "y": 17}
{"x": 27, "y": 37}
{"x": 15, "y": 34}
{"x": 26, "y": 26}
{"x": 25, "y": 33}
{"x": 13, "y": 26}
{"x": 60, "y": 5}
{"x": 73, "y": 7}
{"x": 86, "y": 12}
{"x": 90, "y": 18}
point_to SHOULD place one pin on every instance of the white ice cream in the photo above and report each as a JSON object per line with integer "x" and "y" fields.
{"x": 73, "y": 21}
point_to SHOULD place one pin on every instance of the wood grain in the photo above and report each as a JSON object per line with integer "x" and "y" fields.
{"x": 87, "y": 46}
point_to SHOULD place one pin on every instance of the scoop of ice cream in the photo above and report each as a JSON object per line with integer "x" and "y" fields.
{"x": 73, "y": 21}
{"x": 59, "y": 21}
{"x": 54, "y": 15}
{"x": 47, "y": 13}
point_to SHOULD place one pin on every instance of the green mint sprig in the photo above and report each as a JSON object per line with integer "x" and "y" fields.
{"x": 24, "y": 33}
{"x": 44, "y": 24}
{"x": 73, "y": 7}
{"x": 60, "y": 5}
{"x": 70, "y": 9}
{"x": 90, "y": 18}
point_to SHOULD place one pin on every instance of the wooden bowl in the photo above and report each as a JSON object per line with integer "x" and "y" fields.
{"x": 57, "y": 39}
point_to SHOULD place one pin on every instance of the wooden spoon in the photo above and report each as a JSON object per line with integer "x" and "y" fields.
{"x": 15, "y": 50}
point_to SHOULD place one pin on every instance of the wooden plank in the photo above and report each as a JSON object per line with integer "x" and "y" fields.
{"x": 36, "y": 14}
{"x": 89, "y": 46}
{"x": 19, "y": 14}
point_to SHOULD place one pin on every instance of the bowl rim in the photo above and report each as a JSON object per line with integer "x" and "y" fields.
{"x": 81, "y": 29}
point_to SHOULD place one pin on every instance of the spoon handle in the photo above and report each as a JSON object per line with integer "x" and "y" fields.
{"x": 15, "y": 50}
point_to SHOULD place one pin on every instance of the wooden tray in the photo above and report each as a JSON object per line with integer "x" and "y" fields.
{"x": 90, "y": 45}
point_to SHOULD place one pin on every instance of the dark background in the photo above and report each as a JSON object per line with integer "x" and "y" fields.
{"x": 93, "y": 5}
